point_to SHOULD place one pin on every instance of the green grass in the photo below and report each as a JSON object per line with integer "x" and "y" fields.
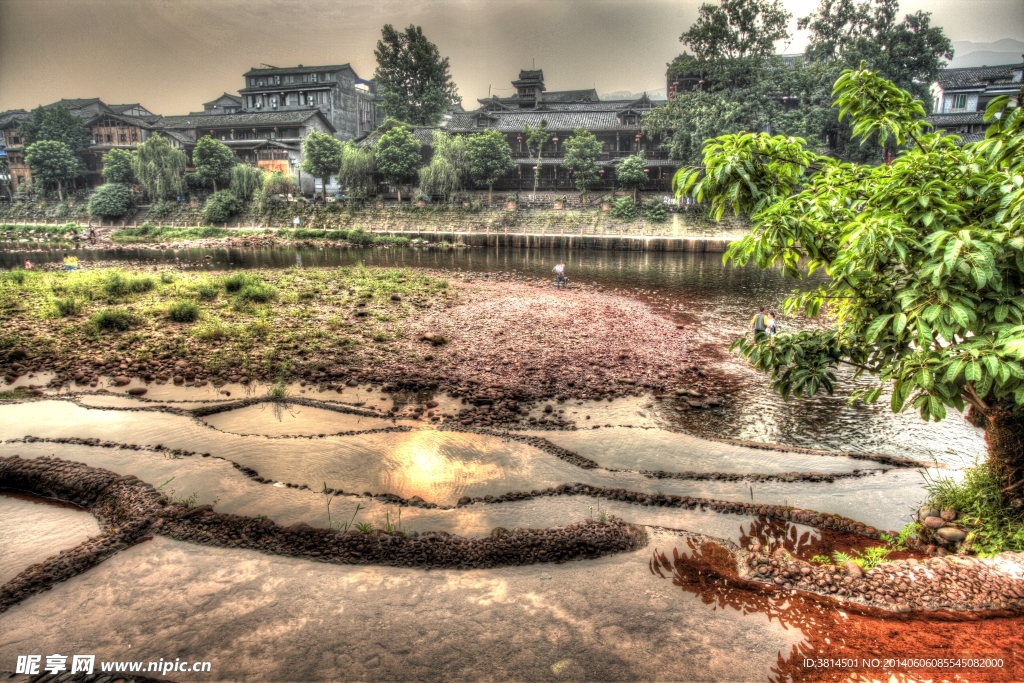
{"x": 18, "y": 394}
{"x": 207, "y": 291}
{"x": 994, "y": 526}
{"x": 114, "y": 319}
{"x": 183, "y": 312}
{"x": 256, "y": 293}
{"x": 67, "y": 306}
{"x": 233, "y": 283}
{"x": 169, "y": 234}
{"x": 119, "y": 285}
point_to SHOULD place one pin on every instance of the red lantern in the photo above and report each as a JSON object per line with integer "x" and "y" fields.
{"x": 638, "y": 136}
{"x": 519, "y": 138}
{"x": 534, "y": 169}
{"x": 647, "y": 170}
{"x": 555, "y": 140}
{"x": 600, "y": 172}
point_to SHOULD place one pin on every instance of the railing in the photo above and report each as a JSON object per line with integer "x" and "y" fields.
{"x": 648, "y": 153}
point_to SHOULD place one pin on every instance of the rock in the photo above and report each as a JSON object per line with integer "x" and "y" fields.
{"x": 498, "y": 532}
{"x": 934, "y": 522}
{"x": 948, "y": 514}
{"x": 137, "y": 391}
{"x": 121, "y": 380}
{"x": 853, "y": 569}
{"x": 951, "y": 534}
{"x": 925, "y": 512}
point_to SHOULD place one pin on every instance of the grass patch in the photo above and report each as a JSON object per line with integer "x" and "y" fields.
{"x": 168, "y": 234}
{"x": 113, "y": 320}
{"x": 118, "y": 285}
{"x": 212, "y": 330}
{"x": 17, "y": 276}
{"x": 183, "y": 312}
{"x": 256, "y": 294}
{"x": 233, "y": 283}
{"x": 994, "y": 526}
{"x": 67, "y": 306}
{"x": 18, "y": 394}
{"x": 207, "y": 291}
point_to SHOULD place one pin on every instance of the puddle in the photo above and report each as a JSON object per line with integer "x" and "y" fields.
{"x": 657, "y": 449}
{"x": 33, "y": 530}
{"x": 636, "y": 411}
{"x": 276, "y": 420}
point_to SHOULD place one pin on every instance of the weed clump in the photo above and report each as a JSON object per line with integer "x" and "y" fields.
{"x": 183, "y": 312}
{"x": 207, "y": 291}
{"x": 994, "y": 525}
{"x": 119, "y": 285}
{"x": 114, "y": 319}
{"x": 256, "y": 293}
{"x": 67, "y": 306}
{"x": 17, "y": 276}
{"x": 233, "y": 283}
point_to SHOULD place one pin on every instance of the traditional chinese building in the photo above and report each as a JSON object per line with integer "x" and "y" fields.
{"x": 961, "y": 96}
{"x": 617, "y": 125}
{"x": 348, "y": 102}
{"x": 12, "y": 147}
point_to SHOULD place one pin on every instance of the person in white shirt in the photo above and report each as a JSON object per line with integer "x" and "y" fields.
{"x": 560, "y": 279}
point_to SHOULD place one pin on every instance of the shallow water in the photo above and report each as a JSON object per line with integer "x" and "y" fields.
{"x": 53, "y": 528}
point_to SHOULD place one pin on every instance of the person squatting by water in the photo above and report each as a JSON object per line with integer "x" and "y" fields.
{"x": 759, "y": 325}
{"x": 70, "y": 263}
{"x": 560, "y": 279}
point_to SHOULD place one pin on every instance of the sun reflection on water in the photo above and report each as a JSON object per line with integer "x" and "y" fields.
{"x": 435, "y": 466}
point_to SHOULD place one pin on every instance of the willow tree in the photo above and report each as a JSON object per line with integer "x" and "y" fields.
{"x": 160, "y": 168}
{"x": 357, "y": 168}
{"x": 535, "y": 139}
{"x": 449, "y": 166}
{"x": 924, "y": 257}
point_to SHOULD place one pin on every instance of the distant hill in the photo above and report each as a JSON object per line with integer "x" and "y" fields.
{"x": 1005, "y": 51}
{"x": 658, "y": 94}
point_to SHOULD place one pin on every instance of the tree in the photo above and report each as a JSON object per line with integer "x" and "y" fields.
{"x": 398, "y": 156}
{"x": 213, "y": 161}
{"x": 581, "y": 152}
{"x": 413, "y": 80}
{"x": 322, "y": 156}
{"x": 490, "y": 158}
{"x": 448, "y": 167}
{"x": 221, "y": 206}
{"x": 159, "y": 168}
{"x": 117, "y": 167}
{"x": 53, "y": 162}
{"x": 56, "y": 124}
{"x": 535, "y": 139}
{"x": 279, "y": 183}
{"x": 924, "y": 257}
{"x": 246, "y": 181}
{"x": 109, "y": 201}
{"x": 910, "y": 52}
{"x": 357, "y": 168}
{"x": 630, "y": 173}
{"x": 738, "y": 29}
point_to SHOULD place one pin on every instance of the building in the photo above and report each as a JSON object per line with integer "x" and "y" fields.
{"x": 225, "y": 104}
{"x": 617, "y": 124}
{"x": 11, "y": 147}
{"x": 348, "y": 102}
{"x": 960, "y": 97}
{"x": 271, "y": 140}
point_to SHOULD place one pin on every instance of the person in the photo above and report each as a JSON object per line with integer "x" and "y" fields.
{"x": 759, "y": 324}
{"x": 92, "y": 234}
{"x": 560, "y": 280}
{"x": 67, "y": 264}
{"x": 772, "y": 324}
{"x": 28, "y": 265}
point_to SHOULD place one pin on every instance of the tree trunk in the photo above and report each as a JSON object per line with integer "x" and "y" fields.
{"x": 490, "y": 193}
{"x": 214, "y": 184}
{"x": 1004, "y": 434}
{"x": 60, "y": 191}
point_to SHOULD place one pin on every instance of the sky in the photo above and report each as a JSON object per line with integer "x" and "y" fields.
{"x": 173, "y": 55}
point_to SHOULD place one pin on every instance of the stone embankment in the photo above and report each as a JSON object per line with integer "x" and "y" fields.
{"x": 128, "y": 509}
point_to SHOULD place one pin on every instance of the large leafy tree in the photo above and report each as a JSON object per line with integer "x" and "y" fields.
{"x": 110, "y": 201}
{"x": 322, "y": 155}
{"x": 57, "y": 124}
{"x": 160, "y": 168}
{"x": 909, "y": 52}
{"x": 536, "y": 137}
{"x": 925, "y": 259}
{"x": 357, "y": 168}
{"x": 398, "y": 155}
{"x": 53, "y": 163}
{"x": 213, "y": 161}
{"x": 581, "y": 152}
{"x": 117, "y": 167}
{"x": 490, "y": 158}
{"x": 630, "y": 173}
{"x": 738, "y": 29}
{"x": 449, "y": 166}
{"x": 414, "y": 80}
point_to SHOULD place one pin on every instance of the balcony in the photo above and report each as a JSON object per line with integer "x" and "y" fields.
{"x": 652, "y": 154}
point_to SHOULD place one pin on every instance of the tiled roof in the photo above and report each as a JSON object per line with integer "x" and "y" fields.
{"x": 958, "y": 119}
{"x": 513, "y": 121}
{"x": 233, "y": 98}
{"x": 13, "y": 117}
{"x": 185, "y": 137}
{"x": 263, "y": 118}
{"x": 281, "y": 71}
{"x": 976, "y": 77}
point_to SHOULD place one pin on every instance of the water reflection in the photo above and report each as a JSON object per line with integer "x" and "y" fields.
{"x": 708, "y": 571}
{"x": 427, "y": 465}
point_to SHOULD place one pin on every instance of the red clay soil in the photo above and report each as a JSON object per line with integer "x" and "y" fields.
{"x": 843, "y": 645}
{"x": 517, "y": 338}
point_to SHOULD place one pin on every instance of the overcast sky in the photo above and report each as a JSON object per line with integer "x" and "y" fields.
{"x": 173, "y": 55}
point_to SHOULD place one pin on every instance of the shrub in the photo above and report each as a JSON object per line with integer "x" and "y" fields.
{"x": 110, "y": 201}
{"x": 233, "y": 283}
{"x": 183, "y": 312}
{"x": 163, "y": 209}
{"x": 118, "y": 319}
{"x": 624, "y": 209}
{"x": 278, "y": 183}
{"x": 655, "y": 210}
{"x": 118, "y": 285}
{"x": 221, "y": 206}
{"x": 256, "y": 293}
{"x": 166, "y": 277}
{"x": 207, "y": 291}
{"x": 360, "y": 237}
{"x": 67, "y": 306}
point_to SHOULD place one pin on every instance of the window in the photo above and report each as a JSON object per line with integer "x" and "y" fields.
{"x": 135, "y": 135}
{"x": 110, "y": 138}
{"x": 15, "y": 140}
{"x": 122, "y": 138}
{"x": 277, "y": 80}
{"x": 959, "y": 101}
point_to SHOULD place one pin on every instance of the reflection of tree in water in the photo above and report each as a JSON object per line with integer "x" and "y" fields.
{"x": 773, "y": 534}
{"x": 708, "y": 571}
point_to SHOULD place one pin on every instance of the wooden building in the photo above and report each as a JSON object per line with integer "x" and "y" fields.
{"x": 617, "y": 124}
{"x": 961, "y": 96}
{"x": 12, "y": 147}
